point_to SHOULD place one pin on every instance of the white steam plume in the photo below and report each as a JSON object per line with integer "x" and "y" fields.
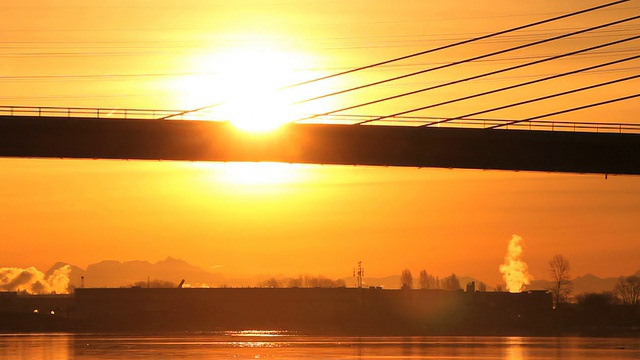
{"x": 514, "y": 270}
{"x": 33, "y": 281}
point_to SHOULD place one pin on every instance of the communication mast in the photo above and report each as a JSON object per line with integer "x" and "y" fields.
{"x": 358, "y": 273}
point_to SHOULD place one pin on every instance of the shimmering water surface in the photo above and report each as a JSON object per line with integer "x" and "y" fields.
{"x": 276, "y": 345}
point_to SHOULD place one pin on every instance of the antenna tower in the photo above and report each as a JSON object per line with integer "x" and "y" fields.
{"x": 358, "y": 273}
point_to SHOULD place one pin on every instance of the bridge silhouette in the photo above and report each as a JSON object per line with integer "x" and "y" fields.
{"x": 532, "y": 143}
{"x": 549, "y": 146}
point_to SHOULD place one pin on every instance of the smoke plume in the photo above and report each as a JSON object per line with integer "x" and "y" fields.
{"x": 33, "y": 281}
{"x": 514, "y": 270}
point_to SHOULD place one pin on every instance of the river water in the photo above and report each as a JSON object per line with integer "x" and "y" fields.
{"x": 277, "y": 345}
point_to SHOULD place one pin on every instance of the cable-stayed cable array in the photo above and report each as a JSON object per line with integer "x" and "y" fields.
{"x": 378, "y": 83}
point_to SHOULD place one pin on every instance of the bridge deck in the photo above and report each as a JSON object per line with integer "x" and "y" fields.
{"x": 98, "y": 138}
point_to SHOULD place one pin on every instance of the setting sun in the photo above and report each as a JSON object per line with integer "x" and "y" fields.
{"x": 248, "y": 85}
{"x": 250, "y": 79}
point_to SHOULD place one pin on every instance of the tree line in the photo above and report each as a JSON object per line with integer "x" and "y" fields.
{"x": 428, "y": 281}
{"x": 301, "y": 281}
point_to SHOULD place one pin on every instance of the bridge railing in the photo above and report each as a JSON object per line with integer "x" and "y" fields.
{"x": 364, "y": 120}
{"x": 85, "y": 112}
{"x": 482, "y": 123}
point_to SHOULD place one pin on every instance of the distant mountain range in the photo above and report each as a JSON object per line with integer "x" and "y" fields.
{"x": 582, "y": 284}
{"x": 111, "y": 273}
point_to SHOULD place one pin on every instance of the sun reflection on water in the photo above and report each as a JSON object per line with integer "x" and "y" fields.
{"x": 514, "y": 348}
{"x": 258, "y": 334}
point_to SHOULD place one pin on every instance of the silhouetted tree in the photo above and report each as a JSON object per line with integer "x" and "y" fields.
{"x": 559, "y": 268}
{"x": 628, "y": 290}
{"x": 307, "y": 282}
{"x": 596, "y": 300}
{"x": 339, "y": 283}
{"x": 270, "y": 283}
{"x": 427, "y": 281}
{"x": 451, "y": 283}
{"x": 482, "y": 287}
{"x": 499, "y": 288}
{"x": 295, "y": 282}
{"x": 423, "y": 281}
{"x": 406, "y": 279}
{"x": 323, "y": 282}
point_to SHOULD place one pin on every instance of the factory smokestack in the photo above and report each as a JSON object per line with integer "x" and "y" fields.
{"x": 514, "y": 270}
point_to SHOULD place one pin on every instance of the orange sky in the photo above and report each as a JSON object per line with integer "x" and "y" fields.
{"x": 289, "y": 219}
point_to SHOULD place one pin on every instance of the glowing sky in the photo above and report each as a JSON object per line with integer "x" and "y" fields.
{"x": 292, "y": 219}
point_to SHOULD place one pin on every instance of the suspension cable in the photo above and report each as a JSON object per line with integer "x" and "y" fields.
{"x": 565, "y": 111}
{"x": 463, "y": 42}
{"x": 511, "y": 86}
{"x": 546, "y": 97}
{"x": 453, "y": 64}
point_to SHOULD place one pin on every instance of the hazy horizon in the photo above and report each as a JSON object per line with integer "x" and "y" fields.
{"x": 63, "y": 276}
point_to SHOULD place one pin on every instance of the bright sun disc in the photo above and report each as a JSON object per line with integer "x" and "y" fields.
{"x": 247, "y": 83}
{"x": 251, "y": 78}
